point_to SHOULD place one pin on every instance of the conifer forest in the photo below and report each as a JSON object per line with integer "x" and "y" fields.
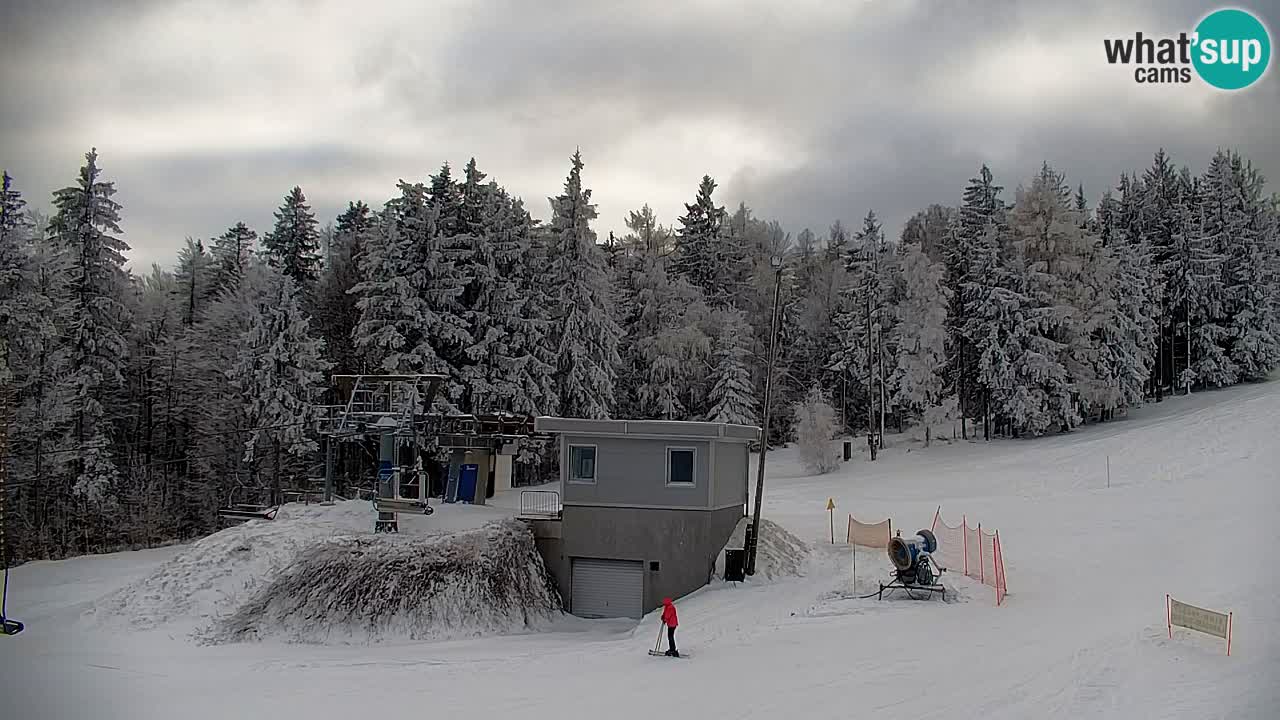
{"x": 137, "y": 400}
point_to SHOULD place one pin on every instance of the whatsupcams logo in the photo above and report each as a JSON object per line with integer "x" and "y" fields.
{"x": 1229, "y": 49}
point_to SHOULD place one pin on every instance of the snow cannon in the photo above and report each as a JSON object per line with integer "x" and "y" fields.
{"x": 913, "y": 564}
{"x": 905, "y": 553}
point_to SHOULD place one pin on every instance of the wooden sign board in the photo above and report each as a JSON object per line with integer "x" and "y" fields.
{"x": 1209, "y": 622}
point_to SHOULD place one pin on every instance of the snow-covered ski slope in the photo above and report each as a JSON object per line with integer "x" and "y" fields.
{"x": 1192, "y": 511}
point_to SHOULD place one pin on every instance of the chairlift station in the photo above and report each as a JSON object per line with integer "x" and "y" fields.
{"x": 395, "y": 410}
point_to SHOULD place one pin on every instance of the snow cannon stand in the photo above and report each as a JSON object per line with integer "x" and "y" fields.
{"x": 913, "y": 566}
{"x": 8, "y": 626}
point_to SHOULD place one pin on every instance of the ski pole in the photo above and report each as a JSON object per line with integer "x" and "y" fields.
{"x": 658, "y": 643}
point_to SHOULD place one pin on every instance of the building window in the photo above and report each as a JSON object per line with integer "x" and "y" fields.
{"x": 582, "y": 463}
{"x": 680, "y": 466}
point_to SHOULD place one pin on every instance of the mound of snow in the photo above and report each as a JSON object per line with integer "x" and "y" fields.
{"x": 355, "y": 590}
{"x": 779, "y": 553}
{"x": 217, "y": 574}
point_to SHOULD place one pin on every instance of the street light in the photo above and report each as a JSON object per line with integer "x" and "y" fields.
{"x": 775, "y": 262}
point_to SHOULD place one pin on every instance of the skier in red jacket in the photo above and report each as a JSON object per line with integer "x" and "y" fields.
{"x": 669, "y": 619}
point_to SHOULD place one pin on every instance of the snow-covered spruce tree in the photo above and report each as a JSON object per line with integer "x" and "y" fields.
{"x": 402, "y": 328}
{"x": 1125, "y": 222}
{"x": 506, "y": 371}
{"x": 442, "y": 249}
{"x": 482, "y": 212}
{"x": 86, "y": 227}
{"x": 1001, "y": 326}
{"x": 928, "y": 229}
{"x": 220, "y": 424}
{"x": 862, "y": 320}
{"x": 638, "y": 246}
{"x": 279, "y": 374}
{"x": 336, "y": 313}
{"x": 981, "y": 205}
{"x": 37, "y": 362}
{"x": 1048, "y": 250}
{"x": 231, "y": 252}
{"x": 920, "y": 336}
{"x": 165, "y": 496}
{"x": 1195, "y": 294}
{"x": 1125, "y": 341}
{"x": 818, "y": 274}
{"x": 671, "y": 346}
{"x": 892, "y": 289}
{"x": 1235, "y": 204}
{"x": 587, "y": 332}
{"x": 18, "y": 317}
{"x": 706, "y": 256}
{"x": 524, "y": 358}
{"x": 538, "y": 315}
{"x": 293, "y": 246}
{"x": 15, "y": 260}
{"x": 733, "y": 397}
{"x": 1068, "y": 280}
{"x": 695, "y": 241}
{"x": 195, "y": 280}
{"x": 391, "y": 330}
{"x": 815, "y": 426}
{"x": 462, "y": 259}
{"x": 1158, "y": 216}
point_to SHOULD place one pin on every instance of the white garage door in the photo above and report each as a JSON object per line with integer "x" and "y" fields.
{"x": 607, "y": 588}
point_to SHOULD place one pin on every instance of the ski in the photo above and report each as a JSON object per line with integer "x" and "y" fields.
{"x": 662, "y": 653}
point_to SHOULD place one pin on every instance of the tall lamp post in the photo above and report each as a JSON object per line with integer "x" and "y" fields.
{"x": 775, "y": 262}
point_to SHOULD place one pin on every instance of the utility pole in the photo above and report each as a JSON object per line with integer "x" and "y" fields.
{"x": 328, "y": 468}
{"x": 776, "y": 263}
{"x": 1186, "y": 309}
{"x": 844, "y": 398}
{"x": 883, "y": 399}
{"x": 871, "y": 374}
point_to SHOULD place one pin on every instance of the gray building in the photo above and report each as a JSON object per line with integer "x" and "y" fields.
{"x": 645, "y": 509}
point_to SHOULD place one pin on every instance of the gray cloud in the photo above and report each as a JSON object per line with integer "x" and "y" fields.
{"x": 808, "y": 111}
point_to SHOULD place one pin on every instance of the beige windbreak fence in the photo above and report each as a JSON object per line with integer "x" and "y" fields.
{"x": 1209, "y": 622}
{"x": 872, "y": 535}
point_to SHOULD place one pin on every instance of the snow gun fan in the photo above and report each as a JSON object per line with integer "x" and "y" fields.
{"x": 913, "y": 565}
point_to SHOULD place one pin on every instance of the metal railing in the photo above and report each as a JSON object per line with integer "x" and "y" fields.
{"x": 542, "y": 504}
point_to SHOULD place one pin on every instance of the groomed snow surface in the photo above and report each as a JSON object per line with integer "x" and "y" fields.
{"x": 1191, "y": 511}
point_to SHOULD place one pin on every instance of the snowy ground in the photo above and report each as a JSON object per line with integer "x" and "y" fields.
{"x": 1190, "y": 512}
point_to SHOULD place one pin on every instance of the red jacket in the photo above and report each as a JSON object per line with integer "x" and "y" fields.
{"x": 669, "y": 613}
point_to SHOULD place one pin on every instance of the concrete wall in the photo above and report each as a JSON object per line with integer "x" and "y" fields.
{"x": 731, "y": 485}
{"x": 684, "y": 543}
{"x": 633, "y": 471}
{"x": 502, "y": 473}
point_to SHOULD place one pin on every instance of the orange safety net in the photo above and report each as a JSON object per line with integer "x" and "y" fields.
{"x": 972, "y": 551}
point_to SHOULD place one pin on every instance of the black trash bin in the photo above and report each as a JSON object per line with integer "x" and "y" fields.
{"x": 735, "y": 563}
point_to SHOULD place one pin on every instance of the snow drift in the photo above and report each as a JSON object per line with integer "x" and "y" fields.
{"x": 357, "y": 590}
{"x": 779, "y": 554}
{"x": 215, "y": 574}
{"x": 213, "y": 577}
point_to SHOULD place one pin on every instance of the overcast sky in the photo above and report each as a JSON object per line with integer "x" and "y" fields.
{"x": 207, "y": 112}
